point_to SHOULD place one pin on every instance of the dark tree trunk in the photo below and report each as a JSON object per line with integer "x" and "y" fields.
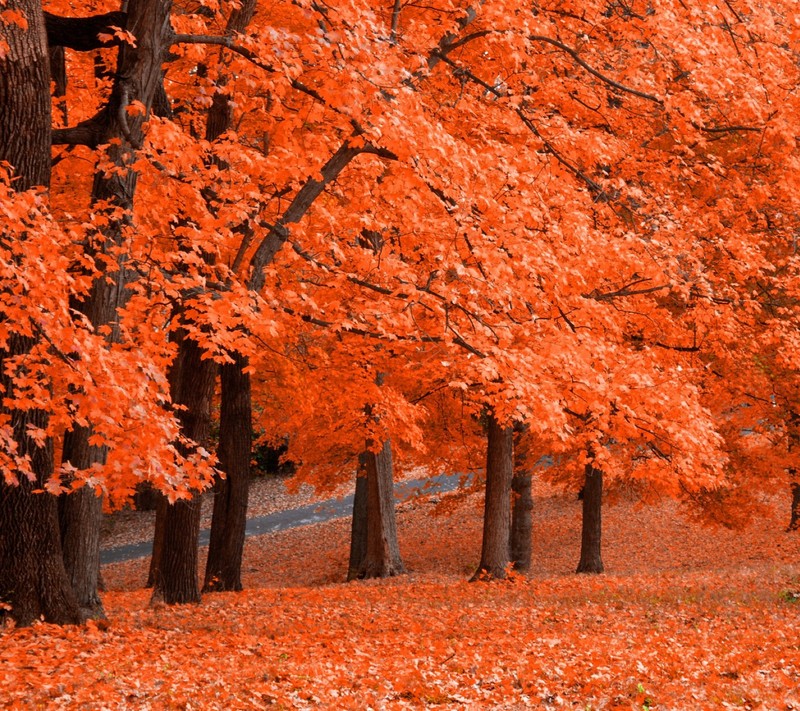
{"x": 496, "y": 549}
{"x": 521, "y": 521}
{"x": 58, "y": 75}
{"x": 83, "y": 33}
{"x": 229, "y": 519}
{"x": 358, "y": 524}
{"x": 192, "y": 381}
{"x": 591, "y": 560}
{"x": 229, "y": 522}
{"x": 158, "y": 542}
{"x": 382, "y": 558}
{"x": 32, "y": 576}
{"x": 146, "y": 497}
{"x": 794, "y": 476}
{"x": 25, "y": 116}
{"x": 794, "y": 521}
{"x": 522, "y": 508}
{"x": 176, "y": 579}
{"x": 81, "y": 515}
{"x": 33, "y": 581}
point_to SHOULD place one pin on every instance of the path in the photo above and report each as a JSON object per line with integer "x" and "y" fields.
{"x": 301, "y": 516}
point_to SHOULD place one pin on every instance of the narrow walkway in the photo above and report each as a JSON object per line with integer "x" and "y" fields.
{"x": 301, "y": 516}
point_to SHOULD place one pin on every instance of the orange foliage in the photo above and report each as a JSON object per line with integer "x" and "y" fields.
{"x": 582, "y": 216}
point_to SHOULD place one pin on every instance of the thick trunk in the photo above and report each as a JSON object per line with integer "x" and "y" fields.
{"x": 496, "y": 549}
{"x": 224, "y": 565}
{"x": 192, "y": 383}
{"x": 591, "y": 560}
{"x": 146, "y": 497}
{"x": 176, "y": 581}
{"x": 154, "y": 573}
{"x": 522, "y": 508}
{"x": 80, "y": 516}
{"x": 25, "y": 97}
{"x": 33, "y": 582}
{"x": 358, "y": 524}
{"x": 521, "y": 521}
{"x": 382, "y": 558}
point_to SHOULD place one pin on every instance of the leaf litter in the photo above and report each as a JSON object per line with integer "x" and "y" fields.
{"x": 688, "y": 616}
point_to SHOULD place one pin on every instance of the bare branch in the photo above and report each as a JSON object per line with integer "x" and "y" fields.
{"x": 626, "y": 290}
{"x": 83, "y": 33}
{"x": 589, "y": 68}
{"x": 227, "y": 41}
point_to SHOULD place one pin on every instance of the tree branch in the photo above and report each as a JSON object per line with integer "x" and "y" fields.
{"x": 83, "y": 33}
{"x": 89, "y": 133}
{"x": 227, "y": 41}
{"x": 589, "y": 68}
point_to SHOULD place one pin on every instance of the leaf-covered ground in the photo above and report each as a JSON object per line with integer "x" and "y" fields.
{"x": 688, "y": 617}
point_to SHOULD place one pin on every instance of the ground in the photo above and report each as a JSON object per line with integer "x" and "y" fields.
{"x": 687, "y": 617}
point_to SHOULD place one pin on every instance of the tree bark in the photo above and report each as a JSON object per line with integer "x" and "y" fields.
{"x": 192, "y": 381}
{"x": 358, "y": 524}
{"x": 80, "y": 517}
{"x": 591, "y": 560}
{"x": 794, "y": 521}
{"x": 496, "y": 549}
{"x": 32, "y": 576}
{"x": 154, "y": 573}
{"x": 522, "y": 508}
{"x": 33, "y": 582}
{"x": 229, "y": 522}
{"x": 382, "y": 558}
{"x": 794, "y": 475}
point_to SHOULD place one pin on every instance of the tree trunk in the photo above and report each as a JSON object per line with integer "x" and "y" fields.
{"x": 154, "y": 573}
{"x": 32, "y": 576}
{"x": 358, "y": 525}
{"x": 192, "y": 381}
{"x": 591, "y": 560}
{"x": 229, "y": 522}
{"x": 521, "y": 521}
{"x": 33, "y": 582}
{"x": 25, "y": 116}
{"x": 522, "y": 508}
{"x": 229, "y": 519}
{"x": 496, "y": 549}
{"x": 793, "y": 431}
{"x": 382, "y": 558}
{"x": 176, "y": 579}
{"x": 794, "y": 521}
{"x": 80, "y": 515}
{"x": 138, "y": 78}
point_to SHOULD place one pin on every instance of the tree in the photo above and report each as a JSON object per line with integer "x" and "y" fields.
{"x": 522, "y": 506}
{"x": 591, "y": 560}
{"x": 559, "y": 215}
{"x": 137, "y": 81}
{"x": 33, "y": 581}
{"x": 496, "y": 546}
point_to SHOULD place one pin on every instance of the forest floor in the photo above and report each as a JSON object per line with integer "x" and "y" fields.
{"x": 687, "y": 617}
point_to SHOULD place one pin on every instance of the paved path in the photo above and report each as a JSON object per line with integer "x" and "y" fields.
{"x": 302, "y": 516}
